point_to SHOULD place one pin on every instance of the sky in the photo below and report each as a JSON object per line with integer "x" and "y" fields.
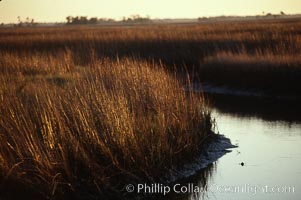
{"x": 58, "y": 10}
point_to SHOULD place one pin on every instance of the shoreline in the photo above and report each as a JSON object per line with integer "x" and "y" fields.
{"x": 231, "y": 91}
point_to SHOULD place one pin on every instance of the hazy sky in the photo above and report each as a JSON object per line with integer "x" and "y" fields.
{"x": 57, "y": 10}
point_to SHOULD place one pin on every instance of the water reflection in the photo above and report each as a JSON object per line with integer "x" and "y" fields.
{"x": 269, "y": 137}
{"x": 267, "y": 109}
{"x": 268, "y": 134}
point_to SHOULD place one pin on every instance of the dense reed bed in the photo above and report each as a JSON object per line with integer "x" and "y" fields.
{"x": 83, "y": 132}
{"x": 269, "y": 48}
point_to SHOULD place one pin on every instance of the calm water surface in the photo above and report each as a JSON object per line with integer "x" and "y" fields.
{"x": 269, "y": 148}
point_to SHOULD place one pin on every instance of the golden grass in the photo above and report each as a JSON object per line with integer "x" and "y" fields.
{"x": 84, "y": 109}
{"x": 194, "y": 48}
{"x": 69, "y": 126}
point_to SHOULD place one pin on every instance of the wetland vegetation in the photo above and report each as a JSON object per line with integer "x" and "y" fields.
{"x": 86, "y": 109}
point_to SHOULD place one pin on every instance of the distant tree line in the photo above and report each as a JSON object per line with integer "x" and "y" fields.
{"x": 274, "y": 15}
{"x": 94, "y": 20}
{"x": 28, "y": 22}
{"x": 263, "y": 16}
{"x": 86, "y": 20}
{"x": 136, "y": 19}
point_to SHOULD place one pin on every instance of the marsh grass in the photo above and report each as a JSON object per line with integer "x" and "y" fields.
{"x": 264, "y": 72}
{"x": 84, "y": 110}
{"x": 274, "y": 46}
{"x": 83, "y": 130}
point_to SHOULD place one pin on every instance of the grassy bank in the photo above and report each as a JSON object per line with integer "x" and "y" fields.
{"x": 262, "y": 72}
{"x": 69, "y": 131}
{"x": 84, "y": 110}
{"x": 262, "y": 55}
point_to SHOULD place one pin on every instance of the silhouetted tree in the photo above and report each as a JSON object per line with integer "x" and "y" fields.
{"x": 19, "y": 21}
{"x": 69, "y": 19}
{"x": 93, "y": 20}
{"x": 83, "y": 20}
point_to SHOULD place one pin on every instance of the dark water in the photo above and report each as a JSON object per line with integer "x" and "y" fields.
{"x": 267, "y": 163}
